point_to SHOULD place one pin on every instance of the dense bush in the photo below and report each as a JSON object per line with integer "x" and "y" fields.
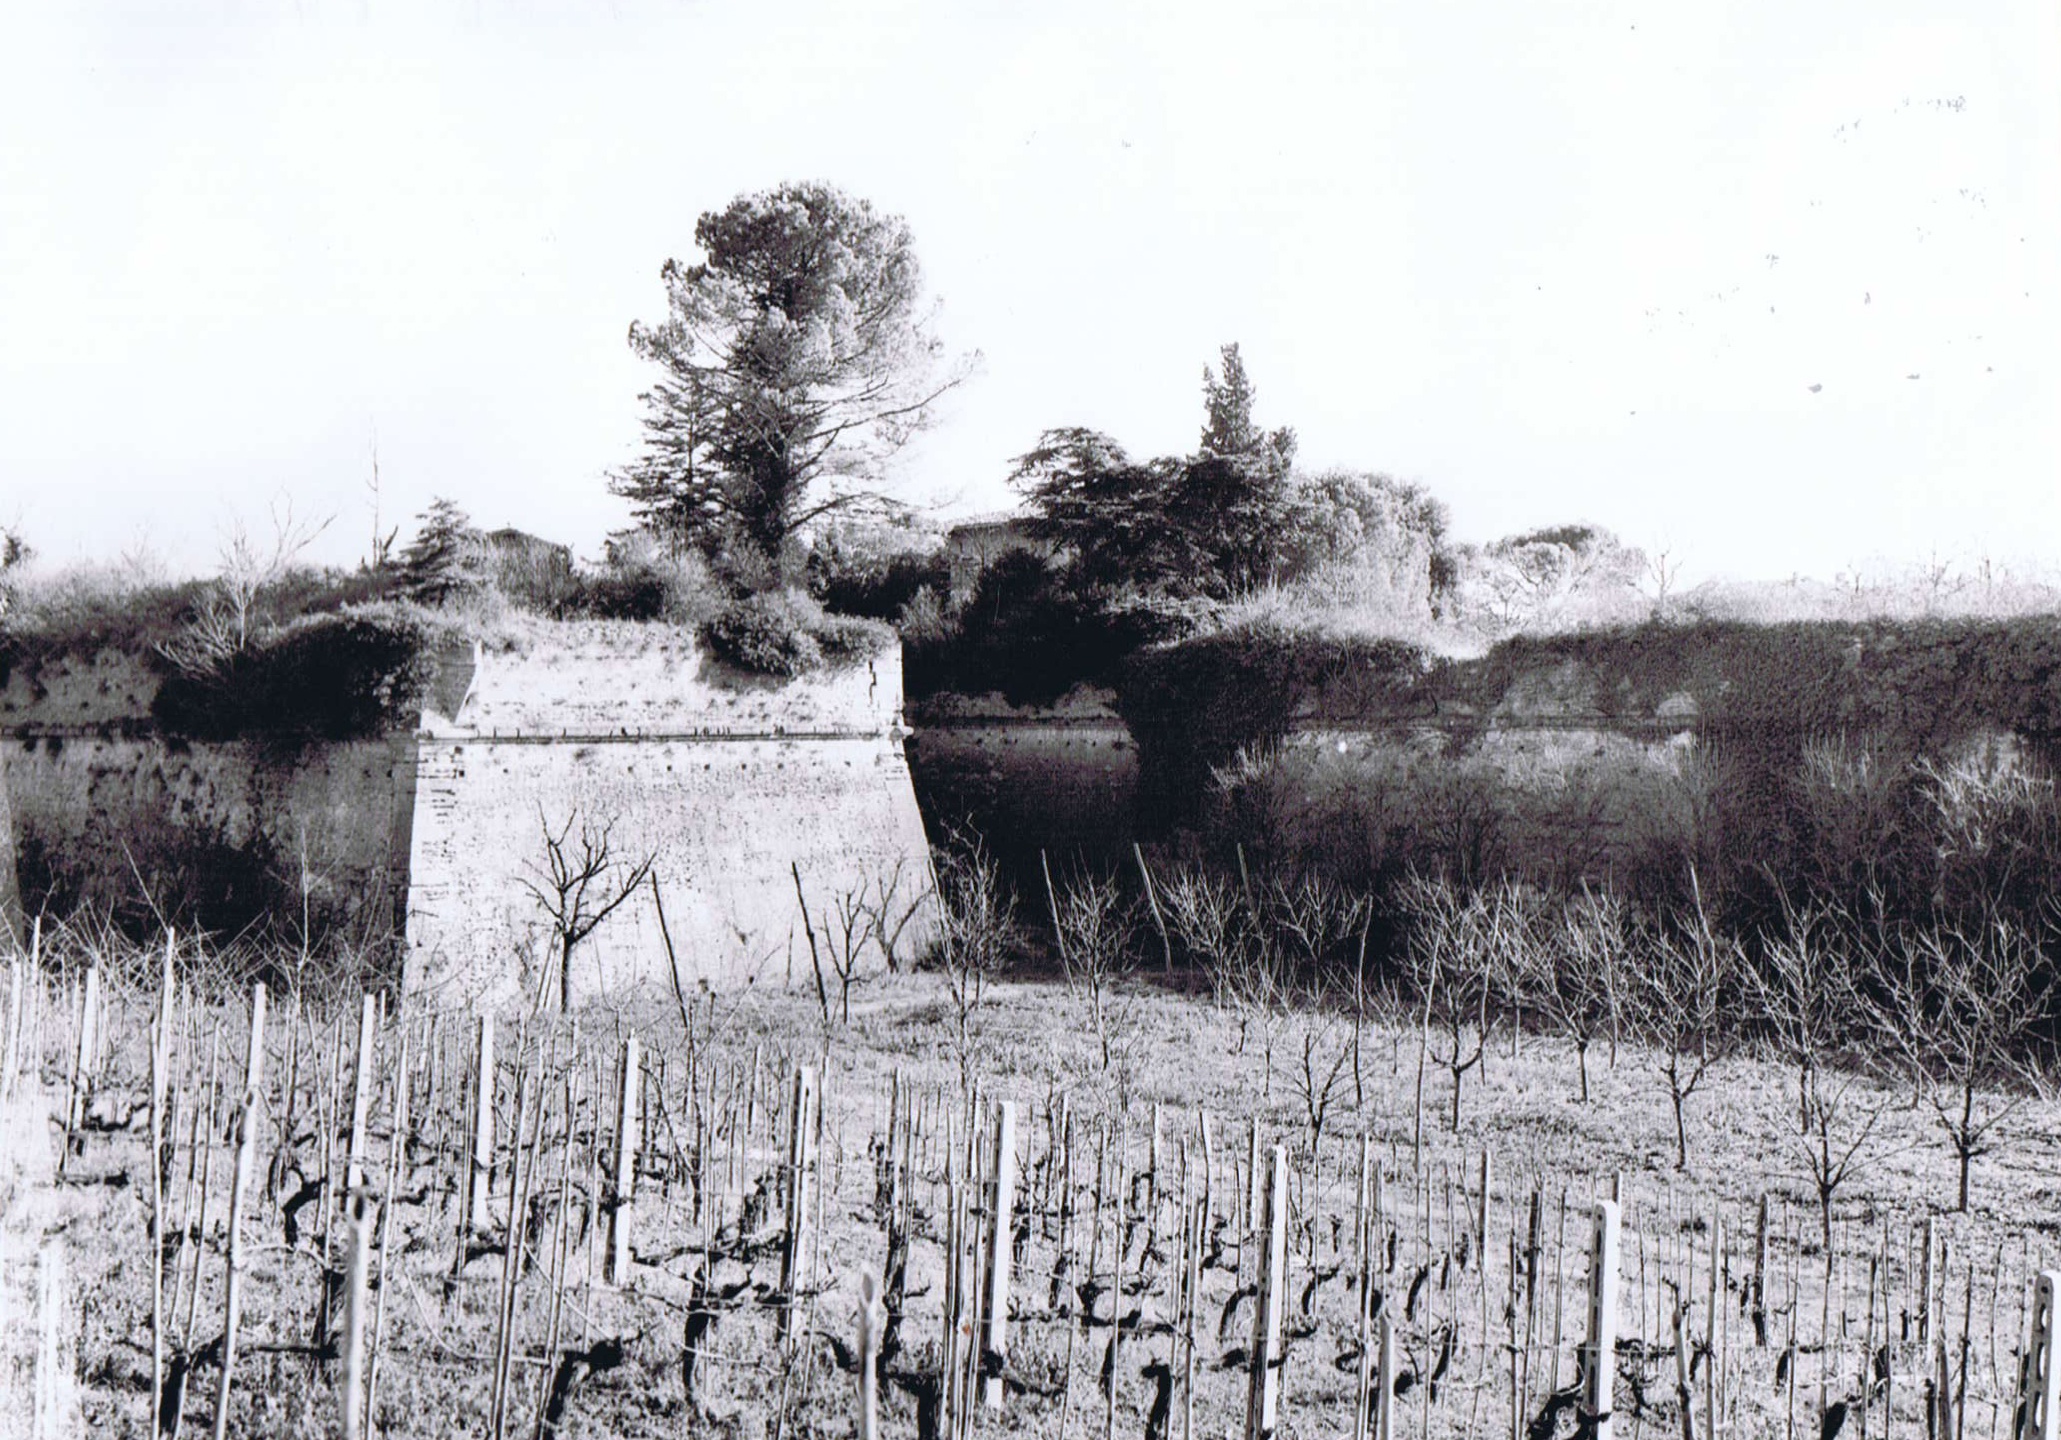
{"x": 329, "y": 677}
{"x": 785, "y": 633}
{"x": 86, "y": 609}
{"x": 853, "y": 579}
{"x": 1195, "y": 705}
{"x": 1031, "y": 631}
{"x": 643, "y": 580}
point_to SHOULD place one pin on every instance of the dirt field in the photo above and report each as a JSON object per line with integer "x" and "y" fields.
{"x": 700, "y": 1304}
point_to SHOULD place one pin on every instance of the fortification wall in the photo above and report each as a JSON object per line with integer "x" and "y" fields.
{"x": 10, "y": 895}
{"x": 603, "y": 678}
{"x": 106, "y": 689}
{"x": 1061, "y": 778}
{"x": 85, "y": 804}
{"x": 1568, "y": 790}
{"x": 729, "y": 783}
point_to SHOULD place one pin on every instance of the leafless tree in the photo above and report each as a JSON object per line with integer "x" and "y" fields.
{"x": 1960, "y": 1006}
{"x": 977, "y": 928}
{"x": 1205, "y": 914}
{"x": 1807, "y": 996}
{"x": 1318, "y": 1082}
{"x": 1576, "y": 974}
{"x": 1248, "y": 959}
{"x": 1663, "y": 571}
{"x": 579, "y": 884}
{"x": 1681, "y": 1001}
{"x": 380, "y": 558}
{"x": 892, "y": 907}
{"x": 1095, "y": 925}
{"x": 224, "y": 622}
{"x": 1458, "y": 954}
{"x": 847, "y": 927}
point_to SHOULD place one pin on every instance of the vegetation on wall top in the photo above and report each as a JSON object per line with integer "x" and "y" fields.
{"x": 344, "y": 676}
{"x": 785, "y": 633}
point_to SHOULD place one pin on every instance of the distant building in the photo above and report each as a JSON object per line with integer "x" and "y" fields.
{"x": 979, "y": 540}
{"x": 527, "y": 566}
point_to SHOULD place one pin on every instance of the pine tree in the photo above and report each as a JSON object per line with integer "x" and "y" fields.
{"x": 444, "y": 559}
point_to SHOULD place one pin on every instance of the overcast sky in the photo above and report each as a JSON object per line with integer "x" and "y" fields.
{"x": 1774, "y": 281}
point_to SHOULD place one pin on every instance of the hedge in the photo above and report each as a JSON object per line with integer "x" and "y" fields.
{"x": 343, "y": 676}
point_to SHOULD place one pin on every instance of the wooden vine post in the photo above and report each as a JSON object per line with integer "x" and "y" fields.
{"x": 800, "y": 1154}
{"x": 1601, "y": 1368}
{"x": 1263, "y": 1395}
{"x": 2038, "y": 1413}
{"x": 1001, "y": 1235}
{"x": 482, "y": 1167}
{"x": 83, "y": 1052}
{"x": 357, "y": 1267}
{"x": 616, "y": 1262}
{"x": 361, "y": 1094}
{"x": 1384, "y": 1382}
{"x": 239, "y": 1190}
{"x": 870, "y": 1319}
{"x": 1482, "y": 1200}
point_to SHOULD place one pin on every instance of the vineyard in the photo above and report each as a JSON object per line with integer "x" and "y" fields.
{"x": 285, "y": 1217}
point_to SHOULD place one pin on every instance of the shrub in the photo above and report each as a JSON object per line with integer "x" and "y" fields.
{"x": 641, "y": 580}
{"x": 785, "y": 633}
{"x": 848, "y": 639}
{"x": 855, "y": 574}
{"x": 1032, "y": 632}
{"x": 766, "y": 633}
{"x": 330, "y": 677}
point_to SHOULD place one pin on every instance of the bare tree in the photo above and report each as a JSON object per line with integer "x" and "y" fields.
{"x": 847, "y": 926}
{"x": 1960, "y": 1006}
{"x": 1095, "y": 924}
{"x": 977, "y": 929}
{"x": 1457, "y": 956}
{"x": 1317, "y": 1083}
{"x": 380, "y": 558}
{"x": 1247, "y": 957}
{"x": 1681, "y": 1002}
{"x": 1576, "y": 974}
{"x": 893, "y": 909}
{"x": 579, "y": 884}
{"x": 1662, "y": 573}
{"x": 225, "y": 621}
{"x": 1806, "y": 992}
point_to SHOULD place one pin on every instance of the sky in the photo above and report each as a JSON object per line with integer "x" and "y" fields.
{"x": 1771, "y": 285}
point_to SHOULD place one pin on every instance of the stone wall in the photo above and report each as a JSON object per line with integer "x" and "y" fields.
{"x": 1568, "y": 788}
{"x": 1060, "y": 778}
{"x": 69, "y": 694}
{"x": 729, "y": 783}
{"x": 85, "y": 803}
{"x": 10, "y": 895}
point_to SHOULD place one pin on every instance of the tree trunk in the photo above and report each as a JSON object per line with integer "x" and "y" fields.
{"x": 1681, "y": 1133}
{"x": 1581, "y": 1056}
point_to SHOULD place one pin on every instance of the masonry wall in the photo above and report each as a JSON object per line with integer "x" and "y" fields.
{"x": 1060, "y": 778}
{"x": 10, "y": 896}
{"x": 84, "y": 803}
{"x": 1569, "y": 791}
{"x": 727, "y": 823}
{"x": 732, "y": 784}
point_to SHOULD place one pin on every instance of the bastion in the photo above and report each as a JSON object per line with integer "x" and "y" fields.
{"x": 749, "y": 797}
